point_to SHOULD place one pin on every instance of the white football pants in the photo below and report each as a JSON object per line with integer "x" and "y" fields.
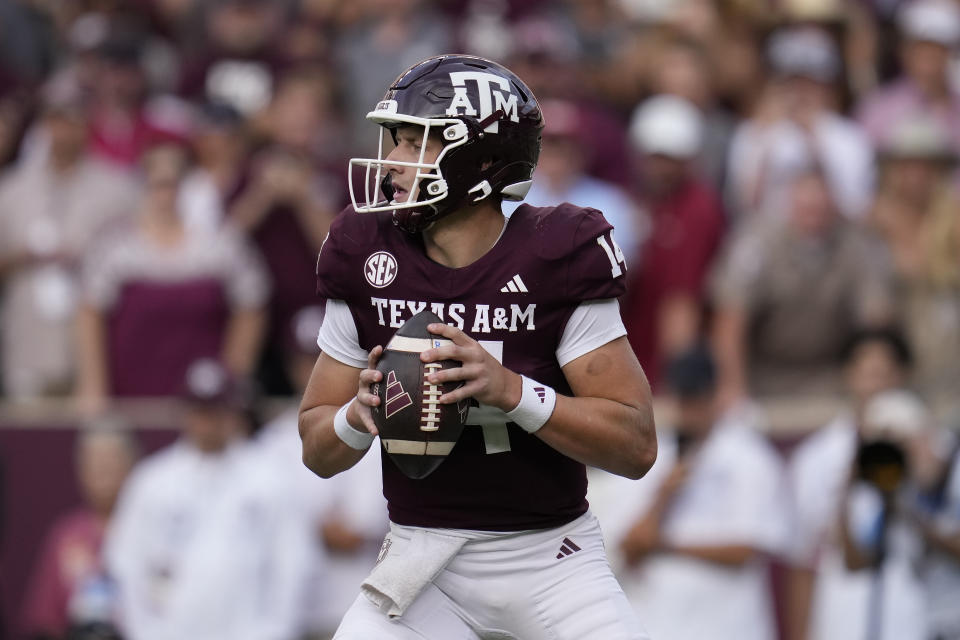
{"x": 553, "y": 584}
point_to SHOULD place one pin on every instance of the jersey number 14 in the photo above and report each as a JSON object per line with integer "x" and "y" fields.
{"x": 615, "y": 255}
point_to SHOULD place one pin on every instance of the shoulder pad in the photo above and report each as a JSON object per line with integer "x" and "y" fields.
{"x": 554, "y": 230}
{"x": 580, "y": 241}
{"x": 349, "y": 239}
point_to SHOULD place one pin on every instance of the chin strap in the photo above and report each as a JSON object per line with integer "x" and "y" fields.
{"x": 386, "y": 186}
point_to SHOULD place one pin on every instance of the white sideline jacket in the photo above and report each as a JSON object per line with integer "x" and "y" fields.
{"x": 208, "y": 546}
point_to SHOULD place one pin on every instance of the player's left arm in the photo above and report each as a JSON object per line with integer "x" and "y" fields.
{"x": 607, "y": 423}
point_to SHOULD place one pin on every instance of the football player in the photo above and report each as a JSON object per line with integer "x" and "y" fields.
{"x": 498, "y": 541}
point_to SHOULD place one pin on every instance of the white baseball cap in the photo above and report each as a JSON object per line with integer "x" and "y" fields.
{"x": 895, "y": 414}
{"x": 804, "y": 51}
{"x": 667, "y": 125}
{"x": 931, "y": 21}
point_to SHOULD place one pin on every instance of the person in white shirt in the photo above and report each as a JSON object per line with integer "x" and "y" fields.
{"x": 881, "y": 548}
{"x": 345, "y": 516}
{"x": 691, "y": 540}
{"x": 824, "y": 600}
{"x": 204, "y": 543}
{"x": 797, "y": 125}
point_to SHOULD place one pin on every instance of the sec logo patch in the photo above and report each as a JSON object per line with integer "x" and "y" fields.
{"x": 380, "y": 269}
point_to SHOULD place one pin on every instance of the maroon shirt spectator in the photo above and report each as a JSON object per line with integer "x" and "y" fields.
{"x": 236, "y": 63}
{"x": 70, "y": 553}
{"x": 158, "y": 297}
{"x": 121, "y": 128}
{"x": 663, "y": 307}
{"x": 546, "y": 53}
{"x": 286, "y": 204}
{"x": 70, "y": 557}
{"x": 168, "y": 306}
{"x": 686, "y": 228}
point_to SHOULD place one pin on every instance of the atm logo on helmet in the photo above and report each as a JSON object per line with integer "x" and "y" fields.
{"x": 490, "y": 97}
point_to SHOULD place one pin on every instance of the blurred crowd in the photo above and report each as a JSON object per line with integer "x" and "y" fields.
{"x": 783, "y": 179}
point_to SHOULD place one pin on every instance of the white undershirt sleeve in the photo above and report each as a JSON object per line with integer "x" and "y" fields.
{"x": 593, "y": 324}
{"x": 338, "y": 336}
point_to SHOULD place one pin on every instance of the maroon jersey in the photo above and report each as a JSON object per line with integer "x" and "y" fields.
{"x": 516, "y": 300}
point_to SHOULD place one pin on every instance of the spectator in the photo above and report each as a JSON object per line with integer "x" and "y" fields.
{"x": 121, "y": 125}
{"x": 797, "y": 124}
{"x": 681, "y": 68}
{"x": 561, "y": 177}
{"x": 916, "y": 215}
{"x": 346, "y": 516}
{"x": 157, "y": 297}
{"x": 286, "y": 207}
{"x": 727, "y": 35}
{"x": 235, "y": 62}
{"x": 220, "y": 146}
{"x": 391, "y": 36}
{"x": 664, "y": 302}
{"x": 930, "y": 30}
{"x": 69, "y": 572}
{"x": 789, "y": 293}
{"x": 51, "y": 209}
{"x": 867, "y": 585}
{"x": 875, "y": 361}
{"x": 546, "y": 54}
{"x": 27, "y": 43}
{"x": 599, "y": 27}
{"x": 205, "y": 543}
{"x": 693, "y": 535}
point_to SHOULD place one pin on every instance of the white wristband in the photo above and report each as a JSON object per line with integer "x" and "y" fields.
{"x": 536, "y": 405}
{"x": 359, "y": 440}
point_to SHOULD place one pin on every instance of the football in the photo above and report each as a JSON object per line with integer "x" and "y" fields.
{"x": 415, "y": 430}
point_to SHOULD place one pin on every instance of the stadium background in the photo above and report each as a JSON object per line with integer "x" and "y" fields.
{"x": 267, "y": 99}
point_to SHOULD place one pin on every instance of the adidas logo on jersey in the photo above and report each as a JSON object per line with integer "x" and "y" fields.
{"x": 567, "y": 548}
{"x": 515, "y": 285}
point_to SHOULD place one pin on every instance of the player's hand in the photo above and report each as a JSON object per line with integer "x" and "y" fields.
{"x": 358, "y": 414}
{"x": 485, "y": 379}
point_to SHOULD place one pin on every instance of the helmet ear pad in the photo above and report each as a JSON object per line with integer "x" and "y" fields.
{"x": 485, "y": 156}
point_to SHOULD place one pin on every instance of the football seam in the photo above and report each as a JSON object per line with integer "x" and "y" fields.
{"x": 430, "y": 412}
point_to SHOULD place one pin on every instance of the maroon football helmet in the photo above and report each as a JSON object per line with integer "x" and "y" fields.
{"x": 489, "y": 122}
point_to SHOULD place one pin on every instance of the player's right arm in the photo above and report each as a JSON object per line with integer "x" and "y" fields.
{"x": 332, "y": 385}
{"x": 345, "y": 370}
